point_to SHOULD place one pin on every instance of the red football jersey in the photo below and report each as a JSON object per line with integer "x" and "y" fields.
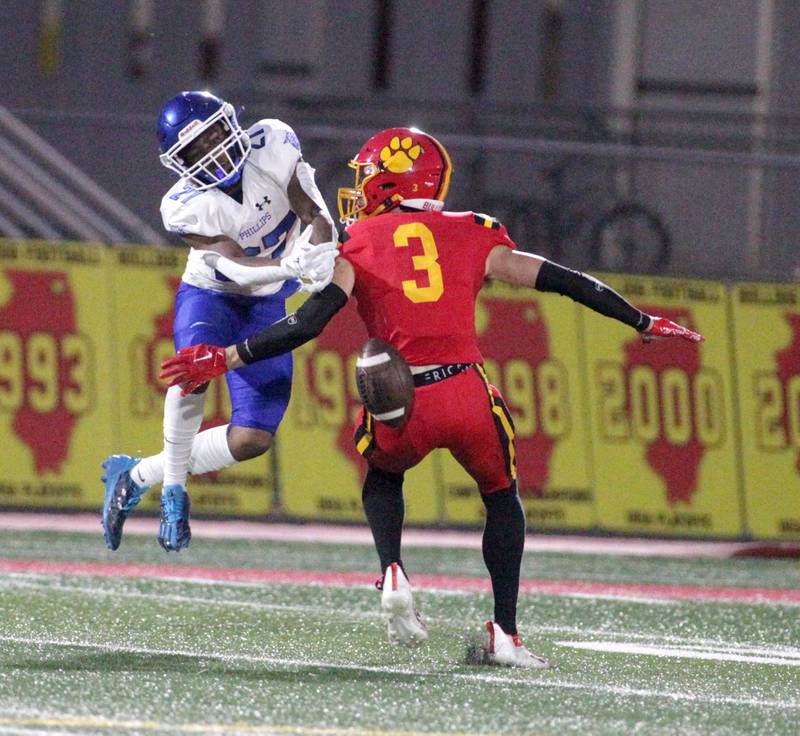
{"x": 417, "y": 276}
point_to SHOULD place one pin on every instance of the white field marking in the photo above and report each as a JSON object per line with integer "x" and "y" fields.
{"x": 611, "y": 597}
{"x": 254, "y": 584}
{"x": 646, "y": 600}
{"x": 229, "y": 729}
{"x": 361, "y": 535}
{"x": 621, "y": 597}
{"x": 51, "y": 583}
{"x": 520, "y": 678}
{"x": 653, "y": 638}
{"x": 643, "y": 599}
{"x": 524, "y": 589}
{"x": 54, "y": 586}
{"x": 14, "y": 730}
{"x": 719, "y": 655}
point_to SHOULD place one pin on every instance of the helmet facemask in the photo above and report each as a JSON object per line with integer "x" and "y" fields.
{"x": 210, "y": 153}
{"x": 352, "y": 200}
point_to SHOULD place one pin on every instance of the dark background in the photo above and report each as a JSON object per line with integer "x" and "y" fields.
{"x": 553, "y": 111}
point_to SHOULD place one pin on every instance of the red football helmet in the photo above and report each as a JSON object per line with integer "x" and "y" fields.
{"x": 393, "y": 165}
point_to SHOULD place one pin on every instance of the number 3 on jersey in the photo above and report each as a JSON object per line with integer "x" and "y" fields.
{"x": 426, "y": 262}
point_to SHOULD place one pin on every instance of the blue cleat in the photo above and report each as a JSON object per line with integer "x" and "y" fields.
{"x": 174, "y": 533}
{"x": 122, "y": 494}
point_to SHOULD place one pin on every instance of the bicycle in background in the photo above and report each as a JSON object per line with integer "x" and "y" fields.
{"x": 582, "y": 220}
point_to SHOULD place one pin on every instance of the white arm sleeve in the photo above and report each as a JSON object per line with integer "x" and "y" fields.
{"x": 245, "y": 275}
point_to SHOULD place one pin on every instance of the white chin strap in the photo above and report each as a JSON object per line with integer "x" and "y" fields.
{"x": 429, "y": 205}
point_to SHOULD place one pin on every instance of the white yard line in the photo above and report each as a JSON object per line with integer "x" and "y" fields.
{"x": 516, "y": 678}
{"x": 50, "y": 584}
{"x": 21, "y": 727}
{"x": 360, "y": 535}
{"x": 11, "y": 723}
{"x": 53, "y": 583}
{"x": 647, "y": 601}
{"x": 666, "y": 645}
{"x": 25, "y": 580}
{"x": 20, "y": 581}
{"x": 668, "y": 640}
{"x": 718, "y": 655}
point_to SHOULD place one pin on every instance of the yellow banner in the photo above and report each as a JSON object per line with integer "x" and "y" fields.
{"x": 767, "y": 339}
{"x": 531, "y": 345}
{"x": 610, "y": 433}
{"x": 662, "y": 421}
{"x": 145, "y": 281}
{"x": 321, "y": 471}
{"x": 56, "y": 374}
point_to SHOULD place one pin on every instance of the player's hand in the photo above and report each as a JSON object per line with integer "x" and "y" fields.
{"x": 311, "y": 262}
{"x": 317, "y": 261}
{"x": 318, "y": 265}
{"x": 194, "y": 366}
{"x": 314, "y": 286}
{"x": 661, "y": 327}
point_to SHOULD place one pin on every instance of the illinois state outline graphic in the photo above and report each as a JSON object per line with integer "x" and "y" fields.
{"x": 677, "y": 465}
{"x": 42, "y": 303}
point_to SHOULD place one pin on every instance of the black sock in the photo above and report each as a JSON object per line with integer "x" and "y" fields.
{"x": 383, "y": 504}
{"x": 503, "y": 543}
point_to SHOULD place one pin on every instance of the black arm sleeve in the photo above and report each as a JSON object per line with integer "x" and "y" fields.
{"x": 294, "y": 329}
{"x": 590, "y": 292}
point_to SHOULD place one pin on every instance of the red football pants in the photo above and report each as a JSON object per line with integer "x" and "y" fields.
{"x": 463, "y": 413}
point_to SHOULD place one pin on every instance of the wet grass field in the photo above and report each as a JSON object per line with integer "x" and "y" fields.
{"x": 88, "y": 651}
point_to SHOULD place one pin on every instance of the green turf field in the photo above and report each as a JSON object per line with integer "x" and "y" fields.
{"x": 86, "y": 654}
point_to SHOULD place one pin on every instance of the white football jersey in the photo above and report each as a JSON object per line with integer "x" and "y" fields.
{"x": 263, "y": 224}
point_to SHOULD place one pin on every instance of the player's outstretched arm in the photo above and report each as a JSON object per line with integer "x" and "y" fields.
{"x": 198, "y": 364}
{"x": 524, "y": 269}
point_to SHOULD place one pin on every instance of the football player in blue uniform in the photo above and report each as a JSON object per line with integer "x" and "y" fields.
{"x": 247, "y": 195}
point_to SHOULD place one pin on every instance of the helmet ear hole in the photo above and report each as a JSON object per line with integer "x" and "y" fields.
{"x": 387, "y": 185}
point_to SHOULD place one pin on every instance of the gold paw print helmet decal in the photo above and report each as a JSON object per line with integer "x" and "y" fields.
{"x": 399, "y": 156}
{"x": 394, "y": 165}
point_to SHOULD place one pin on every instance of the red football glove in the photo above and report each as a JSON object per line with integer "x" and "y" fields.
{"x": 663, "y": 327}
{"x": 194, "y": 366}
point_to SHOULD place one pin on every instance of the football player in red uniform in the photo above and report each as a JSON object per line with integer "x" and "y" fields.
{"x": 415, "y": 271}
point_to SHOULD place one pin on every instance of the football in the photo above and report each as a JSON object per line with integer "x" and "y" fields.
{"x": 385, "y": 383}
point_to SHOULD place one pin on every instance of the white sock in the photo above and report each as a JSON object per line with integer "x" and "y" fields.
{"x": 210, "y": 451}
{"x": 182, "y": 418}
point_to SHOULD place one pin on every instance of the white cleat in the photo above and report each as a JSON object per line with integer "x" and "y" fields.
{"x": 405, "y": 625}
{"x": 500, "y": 648}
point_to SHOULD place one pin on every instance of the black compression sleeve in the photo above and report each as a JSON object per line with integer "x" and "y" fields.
{"x": 294, "y": 329}
{"x": 590, "y": 292}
